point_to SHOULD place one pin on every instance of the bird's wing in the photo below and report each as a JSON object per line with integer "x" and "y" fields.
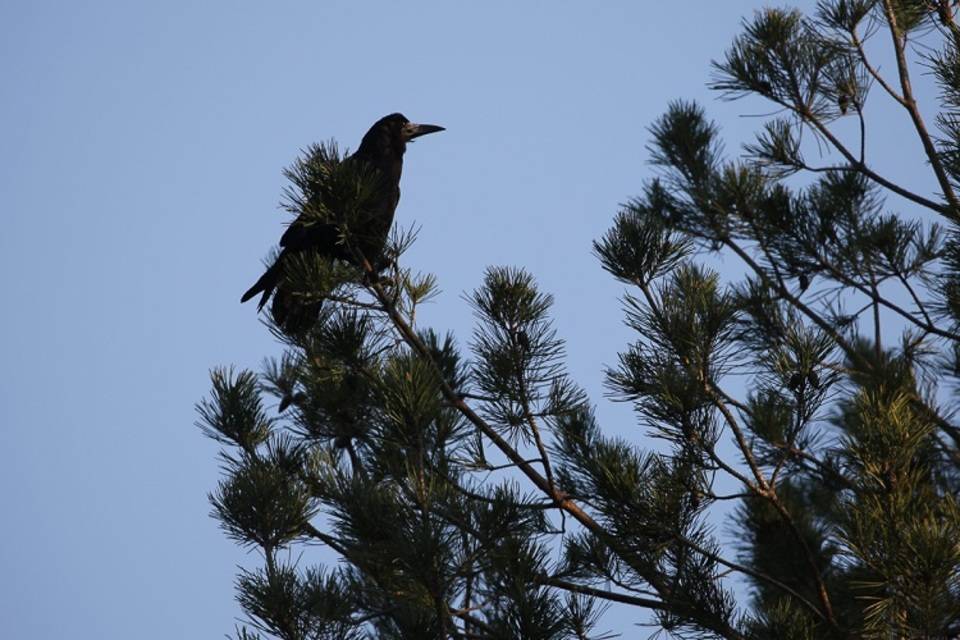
{"x": 320, "y": 237}
{"x": 295, "y": 235}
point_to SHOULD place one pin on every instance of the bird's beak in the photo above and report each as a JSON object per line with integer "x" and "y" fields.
{"x": 417, "y": 130}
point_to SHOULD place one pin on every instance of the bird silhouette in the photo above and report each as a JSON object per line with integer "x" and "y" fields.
{"x": 380, "y": 152}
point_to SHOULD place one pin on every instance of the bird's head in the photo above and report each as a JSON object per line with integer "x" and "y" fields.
{"x": 392, "y": 133}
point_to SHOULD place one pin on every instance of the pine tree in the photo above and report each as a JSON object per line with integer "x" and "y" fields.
{"x": 477, "y": 497}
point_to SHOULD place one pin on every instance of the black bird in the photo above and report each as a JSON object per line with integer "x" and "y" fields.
{"x": 382, "y": 150}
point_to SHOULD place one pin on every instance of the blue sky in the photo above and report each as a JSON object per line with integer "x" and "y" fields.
{"x": 139, "y": 181}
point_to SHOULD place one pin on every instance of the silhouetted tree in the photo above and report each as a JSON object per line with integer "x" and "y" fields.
{"x": 477, "y": 497}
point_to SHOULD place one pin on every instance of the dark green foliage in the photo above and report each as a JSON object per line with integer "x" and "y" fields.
{"x": 639, "y": 248}
{"x": 778, "y": 547}
{"x": 810, "y": 389}
{"x": 289, "y": 604}
{"x": 234, "y": 415}
{"x": 261, "y": 501}
{"x": 518, "y": 354}
{"x": 783, "y": 57}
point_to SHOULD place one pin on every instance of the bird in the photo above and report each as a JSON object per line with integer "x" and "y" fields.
{"x": 381, "y": 149}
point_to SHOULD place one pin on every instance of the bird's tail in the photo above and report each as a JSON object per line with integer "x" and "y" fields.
{"x": 267, "y": 283}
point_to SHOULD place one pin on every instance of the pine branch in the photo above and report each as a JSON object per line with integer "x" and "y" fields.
{"x": 562, "y": 500}
{"x": 785, "y": 293}
{"x": 915, "y": 297}
{"x": 757, "y": 575}
{"x": 768, "y": 491}
{"x": 873, "y": 294}
{"x": 910, "y": 103}
{"x": 859, "y": 165}
{"x": 532, "y": 423}
{"x": 748, "y": 456}
{"x": 763, "y": 486}
{"x": 647, "y": 603}
{"x": 873, "y": 71}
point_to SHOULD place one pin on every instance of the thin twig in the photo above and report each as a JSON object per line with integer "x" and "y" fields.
{"x": 855, "y": 38}
{"x": 874, "y": 295}
{"x": 613, "y": 596}
{"x": 910, "y": 103}
{"x": 762, "y": 483}
{"x": 916, "y": 299}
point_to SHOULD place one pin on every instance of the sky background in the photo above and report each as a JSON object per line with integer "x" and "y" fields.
{"x": 142, "y": 147}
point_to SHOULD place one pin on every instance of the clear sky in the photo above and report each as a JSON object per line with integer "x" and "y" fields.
{"x": 141, "y": 146}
